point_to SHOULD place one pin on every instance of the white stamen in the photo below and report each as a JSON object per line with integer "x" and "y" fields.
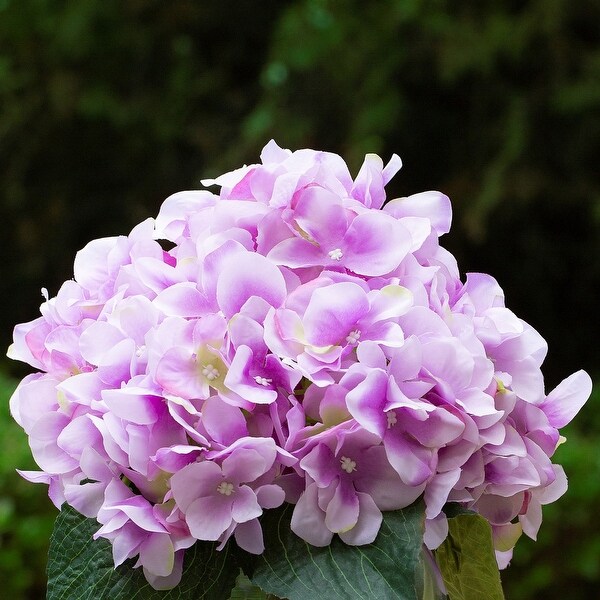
{"x": 336, "y": 254}
{"x": 225, "y": 488}
{"x": 262, "y": 380}
{"x": 348, "y": 464}
{"x": 391, "y": 418}
{"x": 353, "y": 336}
{"x": 210, "y": 372}
{"x": 140, "y": 350}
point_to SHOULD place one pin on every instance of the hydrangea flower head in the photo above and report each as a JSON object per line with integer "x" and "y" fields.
{"x": 301, "y": 341}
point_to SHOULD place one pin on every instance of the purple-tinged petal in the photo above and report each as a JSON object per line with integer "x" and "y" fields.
{"x": 171, "y": 580}
{"x": 366, "y": 401}
{"x": 376, "y": 244}
{"x": 245, "y": 506}
{"x": 139, "y": 511}
{"x": 249, "y": 537}
{"x": 223, "y": 422}
{"x": 342, "y": 511}
{"x": 195, "y": 480}
{"x": 270, "y": 496}
{"x": 134, "y": 404}
{"x": 436, "y": 531}
{"x": 321, "y": 464}
{"x": 182, "y": 300}
{"x": 377, "y": 478}
{"x": 371, "y": 355}
{"x": 246, "y": 275}
{"x": 178, "y": 373}
{"x": 77, "y": 435}
{"x": 308, "y": 520}
{"x": 367, "y": 526}
{"x": 413, "y": 462}
{"x": 389, "y": 302}
{"x": 83, "y": 388}
{"x": 556, "y": 489}
{"x": 125, "y": 543}
{"x": 174, "y": 458}
{"x": 438, "y": 490}
{"x": 369, "y": 183}
{"x": 296, "y": 253}
{"x": 90, "y": 268}
{"x": 434, "y": 206}
{"x": 209, "y": 517}
{"x": 87, "y": 498}
{"x": 157, "y": 554}
{"x": 527, "y": 380}
{"x": 239, "y": 380}
{"x": 245, "y": 464}
{"x": 499, "y": 510}
{"x": 44, "y": 447}
{"x": 332, "y": 313}
{"x": 567, "y": 398}
{"x": 321, "y": 216}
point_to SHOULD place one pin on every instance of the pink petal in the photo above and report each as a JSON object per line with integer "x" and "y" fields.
{"x": 567, "y": 398}
{"x": 308, "y": 520}
{"x": 376, "y": 244}
{"x": 134, "y": 404}
{"x": 365, "y": 402}
{"x": 342, "y": 511}
{"x": 296, "y": 252}
{"x": 182, "y": 300}
{"x": 249, "y": 537}
{"x": 435, "y": 206}
{"x": 413, "y": 462}
{"x": 157, "y": 554}
{"x": 367, "y": 526}
{"x": 246, "y": 275}
{"x": 245, "y": 505}
{"x": 332, "y": 313}
{"x": 195, "y": 480}
{"x": 209, "y": 517}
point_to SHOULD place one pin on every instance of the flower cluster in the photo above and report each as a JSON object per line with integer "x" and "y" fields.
{"x": 291, "y": 339}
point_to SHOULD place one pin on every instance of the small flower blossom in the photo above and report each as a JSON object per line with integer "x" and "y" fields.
{"x": 299, "y": 329}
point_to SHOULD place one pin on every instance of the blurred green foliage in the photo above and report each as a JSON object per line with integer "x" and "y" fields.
{"x": 564, "y": 561}
{"x": 108, "y": 106}
{"x": 26, "y": 514}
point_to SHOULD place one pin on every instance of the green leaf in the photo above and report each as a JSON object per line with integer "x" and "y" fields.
{"x": 80, "y": 568}
{"x": 390, "y": 568}
{"x": 245, "y": 590}
{"x": 467, "y": 562}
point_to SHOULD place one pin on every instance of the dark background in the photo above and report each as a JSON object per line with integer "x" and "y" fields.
{"x": 107, "y": 107}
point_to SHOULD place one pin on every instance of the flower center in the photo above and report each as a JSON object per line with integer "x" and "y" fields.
{"x": 225, "y": 488}
{"x": 336, "y": 254}
{"x": 392, "y": 419}
{"x": 353, "y": 337}
{"x": 262, "y": 380}
{"x": 348, "y": 464}
{"x": 210, "y": 372}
